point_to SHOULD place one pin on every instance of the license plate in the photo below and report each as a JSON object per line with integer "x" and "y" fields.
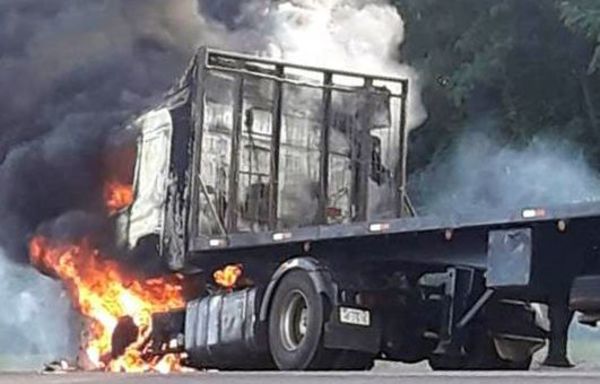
{"x": 355, "y": 316}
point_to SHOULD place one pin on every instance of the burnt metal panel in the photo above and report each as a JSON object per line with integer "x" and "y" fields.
{"x": 509, "y": 258}
{"x": 166, "y": 327}
{"x": 152, "y": 178}
{"x": 224, "y": 329}
{"x": 174, "y": 245}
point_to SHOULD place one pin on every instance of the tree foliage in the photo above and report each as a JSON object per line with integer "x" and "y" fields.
{"x": 583, "y": 16}
{"x": 529, "y": 65}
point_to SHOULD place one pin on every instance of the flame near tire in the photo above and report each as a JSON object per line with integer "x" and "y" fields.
{"x": 104, "y": 293}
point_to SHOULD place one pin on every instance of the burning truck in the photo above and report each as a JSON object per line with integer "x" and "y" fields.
{"x": 275, "y": 194}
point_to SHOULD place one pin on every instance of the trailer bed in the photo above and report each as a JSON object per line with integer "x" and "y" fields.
{"x": 400, "y": 226}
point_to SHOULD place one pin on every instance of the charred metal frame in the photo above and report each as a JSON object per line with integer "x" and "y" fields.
{"x": 241, "y": 66}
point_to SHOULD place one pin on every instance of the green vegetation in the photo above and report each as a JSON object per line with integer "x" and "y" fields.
{"x": 533, "y": 66}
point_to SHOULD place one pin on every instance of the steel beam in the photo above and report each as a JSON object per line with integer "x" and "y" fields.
{"x": 325, "y": 150}
{"x": 198, "y": 95}
{"x": 276, "y": 148}
{"x": 234, "y": 167}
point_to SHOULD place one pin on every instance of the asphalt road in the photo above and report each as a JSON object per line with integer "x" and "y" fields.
{"x": 384, "y": 373}
{"x": 313, "y": 378}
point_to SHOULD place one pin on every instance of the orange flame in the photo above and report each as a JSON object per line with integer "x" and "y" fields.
{"x": 117, "y": 196}
{"x": 103, "y": 293}
{"x": 228, "y": 276}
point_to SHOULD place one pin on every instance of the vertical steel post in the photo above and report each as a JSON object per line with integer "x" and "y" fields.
{"x": 364, "y": 144}
{"x": 325, "y": 149}
{"x": 276, "y": 147}
{"x": 401, "y": 176}
{"x": 234, "y": 167}
{"x": 198, "y": 95}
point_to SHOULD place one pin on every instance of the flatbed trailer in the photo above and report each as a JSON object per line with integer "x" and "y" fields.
{"x": 309, "y": 196}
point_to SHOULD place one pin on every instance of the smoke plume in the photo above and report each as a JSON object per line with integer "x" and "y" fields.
{"x": 355, "y": 35}
{"x": 38, "y": 305}
{"x": 480, "y": 177}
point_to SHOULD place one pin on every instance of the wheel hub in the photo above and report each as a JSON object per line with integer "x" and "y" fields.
{"x": 294, "y": 321}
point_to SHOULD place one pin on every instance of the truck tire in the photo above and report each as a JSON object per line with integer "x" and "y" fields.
{"x": 296, "y": 319}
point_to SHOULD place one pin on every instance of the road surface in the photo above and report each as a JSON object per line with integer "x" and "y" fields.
{"x": 574, "y": 377}
{"x": 587, "y": 371}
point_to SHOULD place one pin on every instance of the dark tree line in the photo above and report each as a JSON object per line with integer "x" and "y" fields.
{"x": 533, "y": 66}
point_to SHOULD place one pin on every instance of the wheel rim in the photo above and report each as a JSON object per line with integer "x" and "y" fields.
{"x": 293, "y": 323}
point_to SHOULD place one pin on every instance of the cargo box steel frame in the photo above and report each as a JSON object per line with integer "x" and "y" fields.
{"x": 242, "y": 67}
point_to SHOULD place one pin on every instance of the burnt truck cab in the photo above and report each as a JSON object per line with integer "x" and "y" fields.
{"x": 299, "y": 174}
{"x": 144, "y": 218}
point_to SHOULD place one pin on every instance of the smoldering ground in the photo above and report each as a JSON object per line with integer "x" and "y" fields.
{"x": 38, "y": 305}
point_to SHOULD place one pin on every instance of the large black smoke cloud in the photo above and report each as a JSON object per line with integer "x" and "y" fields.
{"x": 71, "y": 72}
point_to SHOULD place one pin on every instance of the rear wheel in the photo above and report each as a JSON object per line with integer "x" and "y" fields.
{"x": 296, "y": 321}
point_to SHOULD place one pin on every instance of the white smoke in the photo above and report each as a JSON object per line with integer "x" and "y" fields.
{"x": 354, "y": 35}
{"x": 479, "y": 176}
{"x": 35, "y": 317}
